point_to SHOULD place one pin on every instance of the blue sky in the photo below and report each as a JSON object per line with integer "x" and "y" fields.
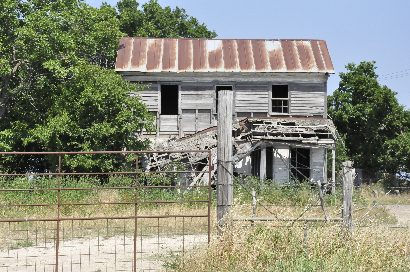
{"x": 355, "y": 30}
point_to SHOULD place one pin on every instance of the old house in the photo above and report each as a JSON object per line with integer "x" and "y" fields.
{"x": 280, "y": 89}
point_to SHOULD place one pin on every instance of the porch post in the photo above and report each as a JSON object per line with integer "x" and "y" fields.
{"x": 262, "y": 164}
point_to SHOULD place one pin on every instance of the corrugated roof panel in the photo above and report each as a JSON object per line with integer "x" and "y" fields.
{"x": 306, "y": 59}
{"x": 229, "y": 55}
{"x": 318, "y": 56}
{"x": 325, "y": 54}
{"x": 201, "y": 55}
{"x": 275, "y": 53}
{"x": 245, "y": 55}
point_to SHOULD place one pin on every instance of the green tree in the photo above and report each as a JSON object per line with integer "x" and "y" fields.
{"x": 153, "y": 20}
{"x": 397, "y": 157}
{"x": 59, "y": 95}
{"x": 58, "y": 90}
{"x": 367, "y": 115}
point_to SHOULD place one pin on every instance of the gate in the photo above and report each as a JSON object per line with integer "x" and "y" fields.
{"x": 61, "y": 216}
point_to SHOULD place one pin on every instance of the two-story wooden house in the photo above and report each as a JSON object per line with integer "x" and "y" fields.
{"x": 280, "y": 90}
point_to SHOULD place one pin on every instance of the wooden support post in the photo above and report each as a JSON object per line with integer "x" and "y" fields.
{"x": 224, "y": 152}
{"x": 262, "y": 164}
{"x": 179, "y": 122}
{"x": 333, "y": 171}
{"x": 347, "y": 194}
{"x": 158, "y": 124}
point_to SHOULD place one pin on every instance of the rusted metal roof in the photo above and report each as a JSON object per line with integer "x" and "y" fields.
{"x": 201, "y": 55}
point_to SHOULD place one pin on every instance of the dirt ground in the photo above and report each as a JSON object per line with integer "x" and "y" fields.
{"x": 116, "y": 253}
{"x": 98, "y": 255}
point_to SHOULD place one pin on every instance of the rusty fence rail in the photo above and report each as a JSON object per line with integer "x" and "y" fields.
{"x": 125, "y": 220}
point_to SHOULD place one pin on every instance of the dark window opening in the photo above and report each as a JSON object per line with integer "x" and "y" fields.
{"x": 169, "y": 100}
{"x": 300, "y": 163}
{"x": 255, "y": 162}
{"x": 217, "y": 89}
{"x": 269, "y": 163}
{"x": 280, "y": 99}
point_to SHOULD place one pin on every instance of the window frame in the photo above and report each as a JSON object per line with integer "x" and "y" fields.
{"x": 271, "y": 99}
{"x": 297, "y": 168}
{"x": 160, "y": 97}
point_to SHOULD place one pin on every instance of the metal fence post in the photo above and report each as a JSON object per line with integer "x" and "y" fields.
{"x": 58, "y": 210}
{"x": 135, "y": 216}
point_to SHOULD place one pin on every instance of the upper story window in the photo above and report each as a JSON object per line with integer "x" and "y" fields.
{"x": 280, "y": 99}
{"x": 169, "y": 100}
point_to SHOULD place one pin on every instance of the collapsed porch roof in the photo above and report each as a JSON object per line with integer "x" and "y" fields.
{"x": 251, "y": 133}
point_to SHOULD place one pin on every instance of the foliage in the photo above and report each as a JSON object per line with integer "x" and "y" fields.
{"x": 397, "y": 157}
{"x": 159, "y": 22}
{"x": 58, "y": 92}
{"x": 368, "y": 116}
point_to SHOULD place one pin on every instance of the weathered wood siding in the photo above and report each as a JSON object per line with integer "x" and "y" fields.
{"x": 307, "y": 98}
{"x": 150, "y": 96}
{"x": 197, "y": 102}
{"x": 196, "y": 106}
{"x": 317, "y": 164}
{"x": 169, "y": 123}
{"x": 196, "y": 97}
{"x": 251, "y": 98}
{"x": 281, "y": 164}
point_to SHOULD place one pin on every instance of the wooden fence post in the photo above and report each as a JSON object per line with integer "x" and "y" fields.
{"x": 347, "y": 194}
{"x": 224, "y": 187}
{"x": 333, "y": 170}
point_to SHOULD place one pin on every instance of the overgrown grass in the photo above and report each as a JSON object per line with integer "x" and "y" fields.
{"x": 317, "y": 248}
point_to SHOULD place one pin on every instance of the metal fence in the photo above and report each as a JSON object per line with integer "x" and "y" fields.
{"x": 155, "y": 204}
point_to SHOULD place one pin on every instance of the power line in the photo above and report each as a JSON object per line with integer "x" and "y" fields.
{"x": 395, "y": 75}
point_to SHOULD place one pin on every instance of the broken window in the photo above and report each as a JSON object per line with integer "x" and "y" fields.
{"x": 169, "y": 100}
{"x": 217, "y": 89}
{"x": 280, "y": 99}
{"x": 300, "y": 163}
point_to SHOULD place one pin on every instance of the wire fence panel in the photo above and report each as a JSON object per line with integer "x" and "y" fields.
{"x": 61, "y": 211}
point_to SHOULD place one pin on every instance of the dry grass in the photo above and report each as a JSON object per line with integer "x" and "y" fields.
{"x": 378, "y": 194}
{"x": 316, "y": 248}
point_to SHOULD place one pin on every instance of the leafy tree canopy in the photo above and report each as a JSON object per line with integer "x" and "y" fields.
{"x": 152, "y": 20}
{"x": 58, "y": 91}
{"x": 369, "y": 117}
